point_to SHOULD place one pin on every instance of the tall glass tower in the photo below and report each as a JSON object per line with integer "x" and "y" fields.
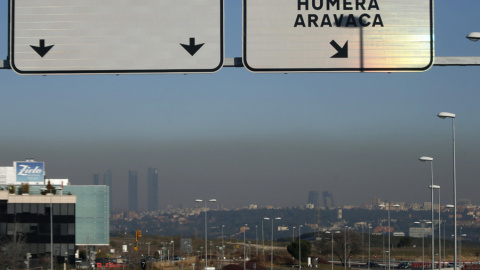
{"x": 107, "y": 181}
{"x": 96, "y": 179}
{"x": 132, "y": 191}
{"x": 152, "y": 189}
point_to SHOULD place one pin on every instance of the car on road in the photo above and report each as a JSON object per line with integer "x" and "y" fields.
{"x": 403, "y": 265}
{"x": 372, "y": 265}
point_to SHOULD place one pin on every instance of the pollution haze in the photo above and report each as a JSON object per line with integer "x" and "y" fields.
{"x": 265, "y": 139}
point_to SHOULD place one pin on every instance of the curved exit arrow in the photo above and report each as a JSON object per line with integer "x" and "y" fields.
{"x": 341, "y": 52}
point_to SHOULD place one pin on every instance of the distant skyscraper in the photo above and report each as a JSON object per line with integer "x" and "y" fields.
{"x": 152, "y": 189}
{"x": 107, "y": 181}
{"x": 133, "y": 191}
{"x": 96, "y": 179}
{"x": 328, "y": 199}
{"x": 313, "y": 197}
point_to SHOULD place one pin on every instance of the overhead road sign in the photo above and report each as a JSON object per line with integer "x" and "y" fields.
{"x": 116, "y": 36}
{"x": 337, "y": 35}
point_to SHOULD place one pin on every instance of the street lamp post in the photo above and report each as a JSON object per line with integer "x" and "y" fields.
{"x": 299, "y": 247}
{"x": 460, "y": 249}
{"x": 439, "y": 229}
{"x": 332, "y": 243}
{"x": 430, "y": 159}
{"x": 223, "y": 246}
{"x": 383, "y": 205}
{"x": 446, "y": 206}
{"x": 51, "y": 224}
{"x": 423, "y": 240}
{"x": 271, "y": 254}
{"x": 244, "y": 251}
{"x": 444, "y": 115}
{"x": 206, "y": 253}
{"x": 256, "y": 240}
{"x": 369, "y": 227}
{"x": 345, "y": 248}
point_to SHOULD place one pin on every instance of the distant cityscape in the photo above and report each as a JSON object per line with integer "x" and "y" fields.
{"x": 319, "y": 213}
{"x": 50, "y": 217}
{"x": 314, "y": 216}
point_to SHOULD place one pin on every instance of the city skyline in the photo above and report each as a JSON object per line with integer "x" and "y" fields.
{"x": 267, "y": 139}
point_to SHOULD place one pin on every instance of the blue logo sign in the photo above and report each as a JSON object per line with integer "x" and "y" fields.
{"x": 29, "y": 171}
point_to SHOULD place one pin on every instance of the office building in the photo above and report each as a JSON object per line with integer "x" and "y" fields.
{"x": 133, "y": 191}
{"x": 96, "y": 179}
{"x": 25, "y": 222}
{"x": 107, "y": 181}
{"x": 313, "y": 198}
{"x": 328, "y": 200}
{"x": 152, "y": 189}
{"x": 32, "y": 207}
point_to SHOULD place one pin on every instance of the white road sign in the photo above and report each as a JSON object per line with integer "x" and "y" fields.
{"x": 116, "y": 36}
{"x": 337, "y": 35}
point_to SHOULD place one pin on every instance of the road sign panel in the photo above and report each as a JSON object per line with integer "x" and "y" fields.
{"x": 116, "y": 36}
{"x": 337, "y": 35}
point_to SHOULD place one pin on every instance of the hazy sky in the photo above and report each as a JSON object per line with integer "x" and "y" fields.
{"x": 265, "y": 139}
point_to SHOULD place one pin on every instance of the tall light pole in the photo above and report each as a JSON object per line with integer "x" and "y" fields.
{"x": 271, "y": 254}
{"x": 439, "y": 229}
{"x": 345, "y": 248}
{"x": 460, "y": 255}
{"x": 446, "y": 206}
{"x": 293, "y": 237}
{"x": 206, "y": 253}
{"x": 423, "y": 240}
{"x": 444, "y": 115}
{"x": 389, "y": 230}
{"x": 332, "y": 243}
{"x": 244, "y": 251}
{"x": 430, "y": 159}
{"x": 300, "y": 247}
{"x": 223, "y": 246}
{"x": 51, "y": 224}
{"x": 256, "y": 240}
{"x": 369, "y": 227}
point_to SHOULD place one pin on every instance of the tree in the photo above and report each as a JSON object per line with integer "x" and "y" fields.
{"x": 50, "y": 188}
{"x": 24, "y": 188}
{"x": 351, "y": 243}
{"x": 404, "y": 242}
{"x": 305, "y": 247}
{"x": 12, "y": 252}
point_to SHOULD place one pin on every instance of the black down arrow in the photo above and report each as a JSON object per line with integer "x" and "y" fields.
{"x": 42, "y": 50}
{"x": 192, "y": 48}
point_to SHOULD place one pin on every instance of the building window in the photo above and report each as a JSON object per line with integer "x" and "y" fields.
{"x": 18, "y": 208}
{"x": 71, "y": 209}
{"x": 64, "y": 209}
{"x": 33, "y": 208}
{"x": 71, "y": 228}
{"x": 64, "y": 229}
{"x": 3, "y": 228}
{"x": 56, "y": 209}
{"x": 41, "y": 209}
